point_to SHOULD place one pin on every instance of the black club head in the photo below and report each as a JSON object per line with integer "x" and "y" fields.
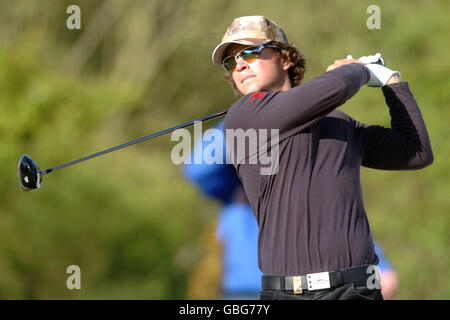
{"x": 28, "y": 174}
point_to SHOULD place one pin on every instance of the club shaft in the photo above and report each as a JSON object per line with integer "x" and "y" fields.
{"x": 130, "y": 143}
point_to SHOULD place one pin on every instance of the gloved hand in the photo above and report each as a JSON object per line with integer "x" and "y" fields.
{"x": 379, "y": 74}
{"x": 376, "y": 58}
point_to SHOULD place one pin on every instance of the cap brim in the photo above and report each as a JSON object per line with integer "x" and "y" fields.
{"x": 219, "y": 51}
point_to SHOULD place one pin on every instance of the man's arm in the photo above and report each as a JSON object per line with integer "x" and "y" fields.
{"x": 406, "y": 145}
{"x": 394, "y": 79}
{"x": 296, "y": 109}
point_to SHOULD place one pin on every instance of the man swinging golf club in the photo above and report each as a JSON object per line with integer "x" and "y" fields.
{"x": 314, "y": 238}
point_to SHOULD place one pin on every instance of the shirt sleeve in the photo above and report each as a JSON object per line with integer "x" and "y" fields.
{"x": 296, "y": 109}
{"x": 404, "y": 146}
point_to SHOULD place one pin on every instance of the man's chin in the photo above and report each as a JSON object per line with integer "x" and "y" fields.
{"x": 249, "y": 89}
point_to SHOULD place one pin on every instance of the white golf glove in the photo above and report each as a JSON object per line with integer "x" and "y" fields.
{"x": 379, "y": 74}
{"x": 376, "y": 58}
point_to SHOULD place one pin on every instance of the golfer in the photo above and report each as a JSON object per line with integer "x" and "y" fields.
{"x": 314, "y": 239}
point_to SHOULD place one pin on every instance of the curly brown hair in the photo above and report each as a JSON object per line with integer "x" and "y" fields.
{"x": 286, "y": 53}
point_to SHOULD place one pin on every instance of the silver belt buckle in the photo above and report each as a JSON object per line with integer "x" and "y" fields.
{"x": 317, "y": 281}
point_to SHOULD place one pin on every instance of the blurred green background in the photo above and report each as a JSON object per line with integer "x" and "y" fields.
{"x": 129, "y": 219}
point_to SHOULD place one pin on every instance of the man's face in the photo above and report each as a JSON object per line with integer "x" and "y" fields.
{"x": 266, "y": 73}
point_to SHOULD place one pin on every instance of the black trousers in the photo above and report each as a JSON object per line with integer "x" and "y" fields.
{"x": 344, "y": 292}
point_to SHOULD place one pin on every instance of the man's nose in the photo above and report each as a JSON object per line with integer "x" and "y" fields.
{"x": 241, "y": 64}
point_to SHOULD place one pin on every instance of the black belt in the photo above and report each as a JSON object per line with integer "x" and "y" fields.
{"x": 317, "y": 281}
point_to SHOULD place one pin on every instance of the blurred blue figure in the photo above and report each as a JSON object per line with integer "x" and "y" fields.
{"x": 237, "y": 229}
{"x": 389, "y": 277}
{"x": 238, "y": 232}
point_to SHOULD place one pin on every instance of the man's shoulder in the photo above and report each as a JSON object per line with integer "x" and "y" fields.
{"x": 253, "y": 99}
{"x": 241, "y": 111}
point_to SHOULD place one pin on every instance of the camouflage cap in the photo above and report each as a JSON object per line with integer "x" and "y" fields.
{"x": 249, "y": 30}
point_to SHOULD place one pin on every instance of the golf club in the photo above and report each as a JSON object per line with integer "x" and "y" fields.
{"x": 30, "y": 177}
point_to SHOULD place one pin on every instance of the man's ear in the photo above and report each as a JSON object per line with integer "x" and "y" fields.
{"x": 286, "y": 65}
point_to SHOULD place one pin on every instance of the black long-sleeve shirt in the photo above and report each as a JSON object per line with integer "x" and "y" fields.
{"x": 311, "y": 214}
